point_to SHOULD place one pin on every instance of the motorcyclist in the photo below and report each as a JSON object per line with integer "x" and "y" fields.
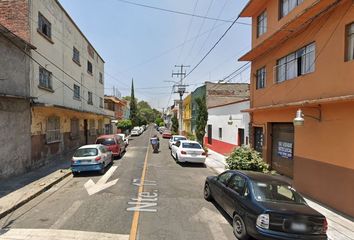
{"x": 155, "y": 140}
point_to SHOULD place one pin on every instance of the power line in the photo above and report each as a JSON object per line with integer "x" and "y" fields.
{"x": 211, "y": 49}
{"x": 201, "y": 27}
{"x": 188, "y": 30}
{"x": 174, "y": 11}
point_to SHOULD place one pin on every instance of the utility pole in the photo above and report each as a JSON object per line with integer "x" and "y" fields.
{"x": 181, "y": 89}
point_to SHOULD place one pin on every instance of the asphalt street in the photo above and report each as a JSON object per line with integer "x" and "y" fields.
{"x": 154, "y": 198}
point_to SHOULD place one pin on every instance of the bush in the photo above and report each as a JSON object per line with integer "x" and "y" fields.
{"x": 191, "y": 136}
{"x": 245, "y": 158}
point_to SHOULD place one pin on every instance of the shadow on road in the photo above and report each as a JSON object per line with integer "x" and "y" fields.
{"x": 192, "y": 165}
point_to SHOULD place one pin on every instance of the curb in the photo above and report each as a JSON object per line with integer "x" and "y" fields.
{"x": 36, "y": 194}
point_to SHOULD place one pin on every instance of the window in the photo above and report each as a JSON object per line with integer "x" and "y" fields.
{"x": 45, "y": 78}
{"x": 220, "y": 133}
{"x": 101, "y": 78}
{"x": 91, "y": 51}
{"x": 287, "y": 6}
{"x": 92, "y": 127}
{"x": 296, "y": 64}
{"x": 262, "y": 24}
{"x": 53, "y": 130}
{"x": 101, "y": 102}
{"x": 224, "y": 177}
{"x": 258, "y": 139}
{"x": 89, "y": 67}
{"x": 76, "y": 55}
{"x": 89, "y": 100}
{"x": 191, "y": 145}
{"x": 75, "y": 128}
{"x": 44, "y": 26}
{"x": 237, "y": 183}
{"x": 76, "y": 92}
{"x": 350, "y": 42}
{"x": 260, "y": 78}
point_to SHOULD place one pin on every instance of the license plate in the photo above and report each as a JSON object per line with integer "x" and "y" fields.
{"x": 299, "y": 227}
{"x": 84, "y": 161}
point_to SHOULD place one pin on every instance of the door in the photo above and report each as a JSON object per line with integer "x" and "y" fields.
{"x": 234, "y": 194}
{"x": 210, "y": 134}
{"x": 218, "y": 190}
{"x": 86, "y": 131}
{"x": 258, "y": 139}
{"x": 241, "y": 136}
{"x": 283, "y": 148}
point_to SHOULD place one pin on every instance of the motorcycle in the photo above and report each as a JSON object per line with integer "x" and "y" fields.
{"x": 155, "y": 145}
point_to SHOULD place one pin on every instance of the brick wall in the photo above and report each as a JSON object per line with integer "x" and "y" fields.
{"x": 14, "y": 16}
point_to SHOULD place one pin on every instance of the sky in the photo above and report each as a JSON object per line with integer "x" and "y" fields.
{"x": 145, "y": 44}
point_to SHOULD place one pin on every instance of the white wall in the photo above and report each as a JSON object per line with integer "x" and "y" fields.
{"x": 219, "y": 117}
{"x": 64, "y": 36}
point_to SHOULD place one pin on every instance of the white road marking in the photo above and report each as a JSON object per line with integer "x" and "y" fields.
{"x": 93, "y": 188}
{"x": 55, "y": 234}
{"x": 67, "y": 215}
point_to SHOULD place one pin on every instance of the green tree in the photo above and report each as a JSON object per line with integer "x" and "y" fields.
{"x": 174, "y": 124}
{"x": 133, "y": 107}
{"x": 201, "y": 120}
{"x": 158, "y": 121}
{"x": 124, "y": 124}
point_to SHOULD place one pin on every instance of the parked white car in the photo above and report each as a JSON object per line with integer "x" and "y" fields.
{"x": 125, "y": 139}
{"x": 188, "y": 151}
{"x": 93, "y": 157}
{"x": 174, "y": 139}
{"x": 135, "y": 131}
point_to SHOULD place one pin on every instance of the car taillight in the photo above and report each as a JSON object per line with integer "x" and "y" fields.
{"x": 97, "y": 158}
{"x": 263, "y": 221}
{"x": 183, "y": 152}
{"x": 325, "y": 226}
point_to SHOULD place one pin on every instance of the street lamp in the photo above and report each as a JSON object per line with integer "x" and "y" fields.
{"x": 299, "y": 117}
{"x": 230, "y": 121}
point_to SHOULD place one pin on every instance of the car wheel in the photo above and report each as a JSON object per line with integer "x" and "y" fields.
{"x": 75, "y": 174}
{"x": 177, "y": 161}
{"x": 239, "y": 228}
{"x": 207, "y": 193}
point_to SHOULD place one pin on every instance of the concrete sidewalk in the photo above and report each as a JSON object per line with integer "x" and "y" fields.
{"x": 18, "y": 190}
{"x": 339, "y": 227}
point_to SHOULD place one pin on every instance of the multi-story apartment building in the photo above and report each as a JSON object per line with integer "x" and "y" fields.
{"x": 65, "y": 77}
{"x": 302, "y": 62}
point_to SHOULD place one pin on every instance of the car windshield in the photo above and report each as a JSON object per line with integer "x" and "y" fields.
{"x": 179, "y": 138}
{"x": 106, "y": 141}
{"x": 86, "y": 152}
{"x": 276, "y": 192}
{"x": 191, "y": 145}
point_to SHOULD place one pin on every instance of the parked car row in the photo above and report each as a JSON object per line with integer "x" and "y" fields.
{"x": 96, "y": 157}
{"x": 137, "y": 131}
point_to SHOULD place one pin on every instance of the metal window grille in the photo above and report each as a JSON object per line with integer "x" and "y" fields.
{"x": 44, "y": 26}
{"x": 76, "y": 91}
{"x": 286, "y": 6}
{"x": 89, "y": 100}
{"x": 101, "y": 102}
{"x": 53, "y": 130}
{"x": 262, "y": 24}
{"x": 76, "y": 55}
{"x": 260, "y": 78}
{"x": 89, "y": 67}
{"x": 45, "y": 78}
{"x": 101, "y": 77}
{"x": 295, "y": 64}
